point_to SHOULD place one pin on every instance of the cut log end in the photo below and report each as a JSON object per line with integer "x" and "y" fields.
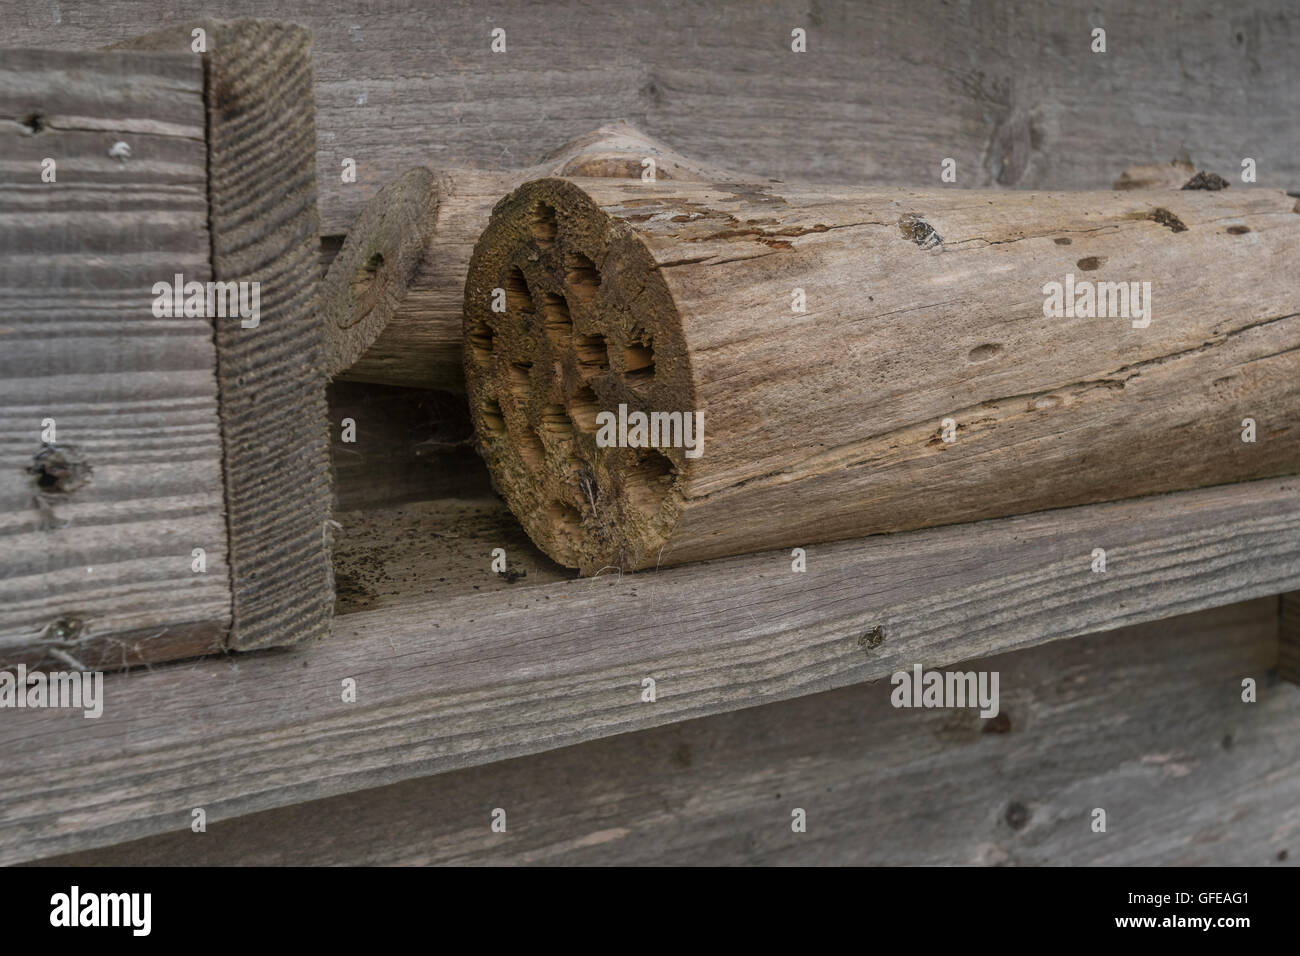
{"x": 583, "y": 324}
{"x": 372, "y": 272}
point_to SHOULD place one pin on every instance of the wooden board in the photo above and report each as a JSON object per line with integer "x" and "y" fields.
{"x": 1288, "y": 663}
{"x": 98, "y": 569}
{"x": 406, "y": 444}
{"x": 448, "y": 683}
{"x": 265, "y": 226}
{"x": 886, "y": 91}
{"x": 1146, "y": 722}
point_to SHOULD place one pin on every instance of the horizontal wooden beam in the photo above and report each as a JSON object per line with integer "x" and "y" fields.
{"x": 1187, "y": 773}
{"x": 442, "y": 684}
{"x": 885, "y": 92}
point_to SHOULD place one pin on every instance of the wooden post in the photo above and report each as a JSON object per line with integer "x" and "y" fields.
{"x": 265, "y": 229}
{"x": 870, "y": 361}
{"x": 178, "y": 503}
{"x": 114, "y": 546}
{"x": 393, "y": 296}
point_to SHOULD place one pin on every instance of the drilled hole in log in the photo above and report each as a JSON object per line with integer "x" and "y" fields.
{"x": 34, "y": 123}
{"x": 1238, "y": 230}
{"x": 548, "y": 464}
{"x": 518, "y": 298}
{"x": 480, "y": 340}
{"x": 492, "y": 419}
{"x": 556, "y": 421}
{"x": 648, "y": 481}
{"x": 543, "y": 225}
{"x": 593, "y": 355}
{"x": 583, "y": 408}
{"x": 582, "y": 277}
{"x": 520, "y": 384}
{"x": 531, "y": 449}
{"x": 556, "y": 318}
{"x": 366, "y": 275}
{"x": 639, "y": 361}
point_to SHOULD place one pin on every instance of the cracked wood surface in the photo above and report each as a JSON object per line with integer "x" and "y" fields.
{"x": 920, "y": 307}
{"x": 448, "y": 682}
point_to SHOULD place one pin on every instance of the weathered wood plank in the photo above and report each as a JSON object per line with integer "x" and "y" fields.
{"x": 450, "y": 683}
{"x": 886, "y": 91}
{"x": 99, "y": 522}
{"x": 265, "y": 226}
{"x": 402, "y": 444}
{"x": 1288, "y": 657}
{"x": 1149, "y": 718}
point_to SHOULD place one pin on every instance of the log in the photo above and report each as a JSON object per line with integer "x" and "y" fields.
{"x": 923, "y": 385}
{"x": 393, "y": 296}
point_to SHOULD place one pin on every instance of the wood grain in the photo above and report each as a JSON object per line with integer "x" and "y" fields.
{"x": 819, "y": 338}
{"x": 393, "y": 300}
{"x": 265, "y": 228}
{"x": 886, "y": 91}
{"x": 99, "y": 571}
{"x": 1145, "y": 721}
{"x": 1288, "y": 663}
{"x": 452, "y": 683}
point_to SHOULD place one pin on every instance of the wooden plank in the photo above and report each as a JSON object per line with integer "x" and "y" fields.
{"x": 403, "y": 444}
{"x": 1288, "y": 656}
{"x": 443, "y": 684}
{"x": 98, "y": 525}
{"x": 886, "y": 91}
{"x": 262, "y": 196}
{"x": 1145, "y": 722}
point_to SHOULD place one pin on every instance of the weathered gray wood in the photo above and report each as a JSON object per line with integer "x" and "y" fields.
{"x": 1288, "y": 655}
{"x": 443, "y": 684}
{"x": 885, "y": 92}
{"x": 98, "y": 529}
{"x": 262, "y": 195}
{"x": 1146, "y": 722}
{"x": 859, "y": 361}
{"x": 407, "y": 445}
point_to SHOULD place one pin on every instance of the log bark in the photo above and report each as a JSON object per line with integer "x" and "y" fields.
{"x": 923, "y": 385}
{"x": 393, "y": 297}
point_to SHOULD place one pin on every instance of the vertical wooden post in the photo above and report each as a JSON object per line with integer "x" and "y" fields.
{"x": 113, "y": 545}
{"x": 178, "y": 503}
